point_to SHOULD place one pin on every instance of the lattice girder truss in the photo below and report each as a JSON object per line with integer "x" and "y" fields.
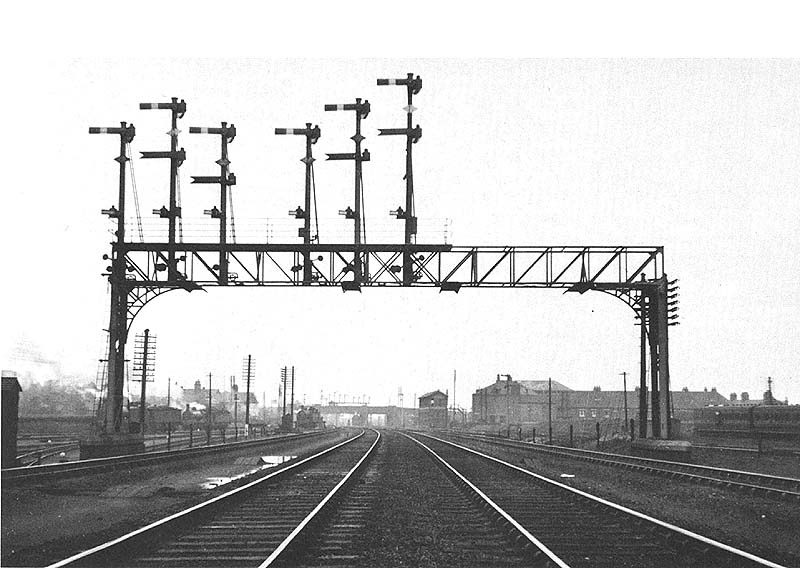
{"x": 444, "y": 266}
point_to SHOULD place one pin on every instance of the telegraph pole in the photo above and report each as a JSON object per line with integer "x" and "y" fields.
{"x": 225, "y": 179}
{"x": 235, "y": 393}
{"x": 284, "y": 372}
{"x": 249, "y": 369}
{"x": 176, "y": 158}
{"x": 362, "y": 111}
{"x": 454, "y": 395}
{"x": 413, "y": 86}
{"x": 625, "y": 395}
{"x": 304, "y": 213}
{"x": 117, "y": 328}
{"x": 143, "y": 361}
{"x": 550, "y": 409}
{"x": 291, "y": 402}
{"x": 208, "y": 430}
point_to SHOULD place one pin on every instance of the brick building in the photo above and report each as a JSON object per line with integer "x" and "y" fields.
{"x": 507, "y": 402}
{"x": 432, "y": 410}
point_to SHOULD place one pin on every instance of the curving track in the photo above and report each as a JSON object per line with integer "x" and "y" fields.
{"x": 577, "y": 528}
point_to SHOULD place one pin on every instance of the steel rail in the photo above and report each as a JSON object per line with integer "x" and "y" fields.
{"x": 161, "y": 524}
{"x": 620, "y": 508}
{"x": 773, "y": 485}
{"x": 486, "y": 499}
{"x": 304, "y": 524}
{"x": 22, "y": 474}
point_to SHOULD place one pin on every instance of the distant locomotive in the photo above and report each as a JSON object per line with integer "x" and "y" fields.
{"x": 309, "y": 418}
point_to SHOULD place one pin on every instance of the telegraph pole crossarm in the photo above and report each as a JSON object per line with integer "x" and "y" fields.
{"x": 361, "y": 110}
{"x": 413, "y": 86}
{"x": 225, "y": 180}
{"x": 312, "y": 135}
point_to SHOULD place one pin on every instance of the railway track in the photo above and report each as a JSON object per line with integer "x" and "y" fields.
{"x": 407, "y": 512}
{"x": 748, "y": 482}
{"x": 37, "y": 473}
{"x": 257, "y": 524}
{"x": 568, "y": 527}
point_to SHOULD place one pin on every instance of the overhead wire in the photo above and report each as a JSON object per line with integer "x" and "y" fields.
{"x": 128, "y": 154}
{"x": 178, "y": 205}
{"x": 316, "y": 212}
{"x": 363, "y": 227}
{"x": 233, "y": 221}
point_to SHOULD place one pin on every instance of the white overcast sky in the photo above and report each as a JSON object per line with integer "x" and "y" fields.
{"x": 539, "y": 128}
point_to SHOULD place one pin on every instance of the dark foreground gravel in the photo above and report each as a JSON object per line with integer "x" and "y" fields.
{"x": 407, "y": 513}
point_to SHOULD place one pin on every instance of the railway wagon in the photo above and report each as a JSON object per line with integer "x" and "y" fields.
{"x": 763, "y": 418}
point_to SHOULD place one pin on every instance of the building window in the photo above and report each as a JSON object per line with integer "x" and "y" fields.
{"x": 594, "y": 414}
{"x": 608, "y": 414}
{"x": 582, "y": 413}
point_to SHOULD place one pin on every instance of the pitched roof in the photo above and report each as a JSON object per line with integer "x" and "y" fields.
{"x": 429, "y": 394}
{"x": 526, "y": 386}
{"x": 543, "y": 386}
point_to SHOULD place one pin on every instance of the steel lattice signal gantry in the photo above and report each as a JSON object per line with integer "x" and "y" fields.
{"x": 141, "y": 271}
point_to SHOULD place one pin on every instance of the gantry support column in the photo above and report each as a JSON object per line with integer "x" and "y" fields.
{"x": 117, "y": 328}
{"x": 656, "y": 304}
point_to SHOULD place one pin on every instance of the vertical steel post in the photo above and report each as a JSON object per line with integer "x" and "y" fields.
{"x": 223, "y": 208}
{"x": 173, "y": 190}
{"x": 655, "y": 399}
{"x": 413, "y": 86}
{"x": 362, "y": 111}
{"x": 176, "y": 157}
{"x": 663, "y": 359}
{"x": 309, "y": 160}
{"x": 225, "y": 180}
{"x": 643, "y": 367}
{"x": 118, "y": 316}
{"x": 358, "y": 213}
{"x": 312, "y": 135}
